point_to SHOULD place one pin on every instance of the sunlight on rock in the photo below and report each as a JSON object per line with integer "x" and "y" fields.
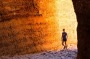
{"x": 32, "y": 26}
{"x": 67, "y": 19}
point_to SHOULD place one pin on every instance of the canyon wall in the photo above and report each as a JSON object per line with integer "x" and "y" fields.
{"x": 82, "y": 9}
{"x": 32, "y": 26}
{"x": 29, "y": 30}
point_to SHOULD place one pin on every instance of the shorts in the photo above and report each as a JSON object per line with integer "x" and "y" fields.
{"x": 64, "y": 39}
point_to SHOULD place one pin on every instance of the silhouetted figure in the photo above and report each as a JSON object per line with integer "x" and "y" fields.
{"x": 64, "y": 39}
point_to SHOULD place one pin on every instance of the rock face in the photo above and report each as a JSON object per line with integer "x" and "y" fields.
{"x": 31, "y": 26}
{"x": 25, "y": 30}
{"x": 67, "y": 19}
{"x": 82, "y": 9}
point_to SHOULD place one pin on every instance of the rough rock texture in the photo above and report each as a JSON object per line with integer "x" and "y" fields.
{"x": 24, "y": 32}
{"x": 82, "y": 9}
{"x": 31, "y": 26}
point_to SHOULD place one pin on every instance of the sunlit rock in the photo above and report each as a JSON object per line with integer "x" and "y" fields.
{"x": 31, "y": 26}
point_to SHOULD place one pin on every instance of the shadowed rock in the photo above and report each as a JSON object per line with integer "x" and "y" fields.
{"x": 82, "y": 9}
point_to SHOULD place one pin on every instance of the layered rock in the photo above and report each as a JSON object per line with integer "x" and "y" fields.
{"x": 27, "y": 31}
{"x": 31, "y": 26}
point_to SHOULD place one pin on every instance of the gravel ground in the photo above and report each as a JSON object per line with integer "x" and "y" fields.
{"x": 69, "y": 53}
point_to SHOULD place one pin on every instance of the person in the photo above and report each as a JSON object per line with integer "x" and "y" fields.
{"x": 64, "y": 39}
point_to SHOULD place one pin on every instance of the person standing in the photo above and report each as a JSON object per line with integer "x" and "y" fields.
{"x": 64, "y": 39}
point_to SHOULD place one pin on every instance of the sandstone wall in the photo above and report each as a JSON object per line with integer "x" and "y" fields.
{"x": 34, "y": 33}
{"x": 67, "y": 19}
{"x": 35, "y": 29}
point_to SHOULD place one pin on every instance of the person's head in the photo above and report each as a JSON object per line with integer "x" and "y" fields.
{"x": 63, "y": 30}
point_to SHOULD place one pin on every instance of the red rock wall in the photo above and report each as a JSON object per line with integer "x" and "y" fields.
{"x": 29, "y": 34}
{"x": 26, "y": 30}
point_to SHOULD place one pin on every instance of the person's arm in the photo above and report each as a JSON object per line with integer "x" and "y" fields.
{"x": 67, "y": 36}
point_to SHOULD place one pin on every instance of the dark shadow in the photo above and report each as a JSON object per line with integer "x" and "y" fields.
{"x": 11, "y": 16}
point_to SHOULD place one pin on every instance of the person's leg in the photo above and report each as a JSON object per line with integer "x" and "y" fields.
{"x": 66, "y": 44}
{"x": 63, "y": 43}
